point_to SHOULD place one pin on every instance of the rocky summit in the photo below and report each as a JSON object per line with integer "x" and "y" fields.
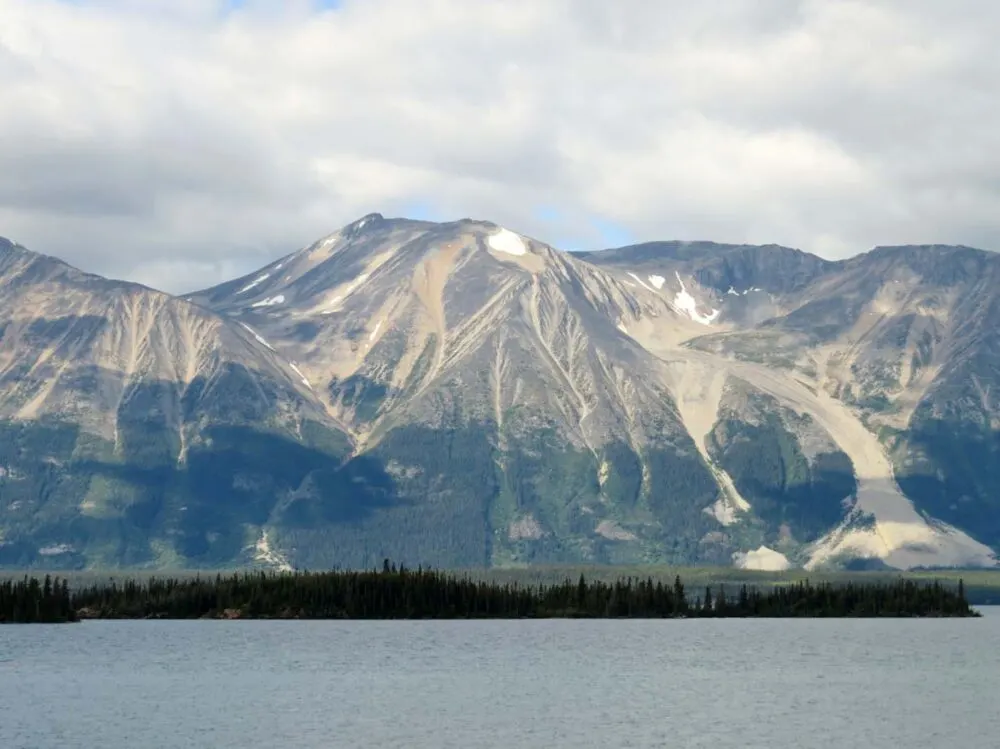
{"x": 460, "y": 395}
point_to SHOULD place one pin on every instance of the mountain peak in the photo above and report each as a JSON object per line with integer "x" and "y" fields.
{"x": 9, "y": 245}
{"x": 366, "y": 220}
{"x": 13, "y": 253}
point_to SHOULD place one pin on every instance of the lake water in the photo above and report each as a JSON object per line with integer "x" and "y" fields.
{"x": 543, "y": 684}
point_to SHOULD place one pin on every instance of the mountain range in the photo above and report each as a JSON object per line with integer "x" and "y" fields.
{"x": 460, "y": 395}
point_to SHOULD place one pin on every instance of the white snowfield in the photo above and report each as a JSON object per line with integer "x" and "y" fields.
{"x": 305, "y": 380}
{"x": 255, "y": 283}
{"x": 258, "y": 336}
{"x": 640, "y": 281}
{"x": 280, "y": 299}
{"x": 683, "y": 302}
{"x": 689, "y": 306}
{"x": 507, "y": 242}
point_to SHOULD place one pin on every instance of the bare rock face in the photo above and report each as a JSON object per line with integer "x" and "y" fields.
{"x": 461, "y": 395}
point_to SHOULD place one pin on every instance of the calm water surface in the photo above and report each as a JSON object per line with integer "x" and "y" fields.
{"x": 424, "y": 685}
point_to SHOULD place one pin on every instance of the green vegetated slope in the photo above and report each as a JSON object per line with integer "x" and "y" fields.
{"x": 446, "y": 497}
{"x": 796, "y": 479}
{"x": 74, "y": 500}
{"x": 948, "y": 460}
{"x": 453, "y": 498}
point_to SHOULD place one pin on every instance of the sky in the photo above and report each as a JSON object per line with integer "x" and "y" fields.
{"x": 180, "y": 143}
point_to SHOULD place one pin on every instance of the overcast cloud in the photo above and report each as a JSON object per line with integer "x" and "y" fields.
{"x": 181, "y": 142}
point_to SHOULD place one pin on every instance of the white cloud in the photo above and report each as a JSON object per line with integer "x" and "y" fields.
{"x": 178, "y": 143}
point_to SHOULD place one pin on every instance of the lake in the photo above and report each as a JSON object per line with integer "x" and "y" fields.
{"x": 536, "y": 684}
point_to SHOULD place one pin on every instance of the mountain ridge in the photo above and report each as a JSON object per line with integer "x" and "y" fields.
{"x": 481, "y": 398}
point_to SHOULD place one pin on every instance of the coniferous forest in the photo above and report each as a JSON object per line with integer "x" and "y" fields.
{"x": 30, "y": 601}
{"x": 400, "y": 593}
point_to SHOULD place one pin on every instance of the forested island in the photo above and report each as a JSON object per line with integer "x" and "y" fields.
{"x": 401, "y": 593}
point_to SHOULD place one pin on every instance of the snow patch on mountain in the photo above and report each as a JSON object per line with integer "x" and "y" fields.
{"x": 280, "y": 299}
{"x": 507, "y": 242}
{"x": 255, "y": 283}
{"x": 258, "y": 336}
{"x": 641, "y": 282}
{"x": 687, "y": 304}
{"x": 305, "y": 380}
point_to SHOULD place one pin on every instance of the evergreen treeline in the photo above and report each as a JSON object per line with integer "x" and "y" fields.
{"x": 399, "y": 593}
{"x": 30, "y": 601}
